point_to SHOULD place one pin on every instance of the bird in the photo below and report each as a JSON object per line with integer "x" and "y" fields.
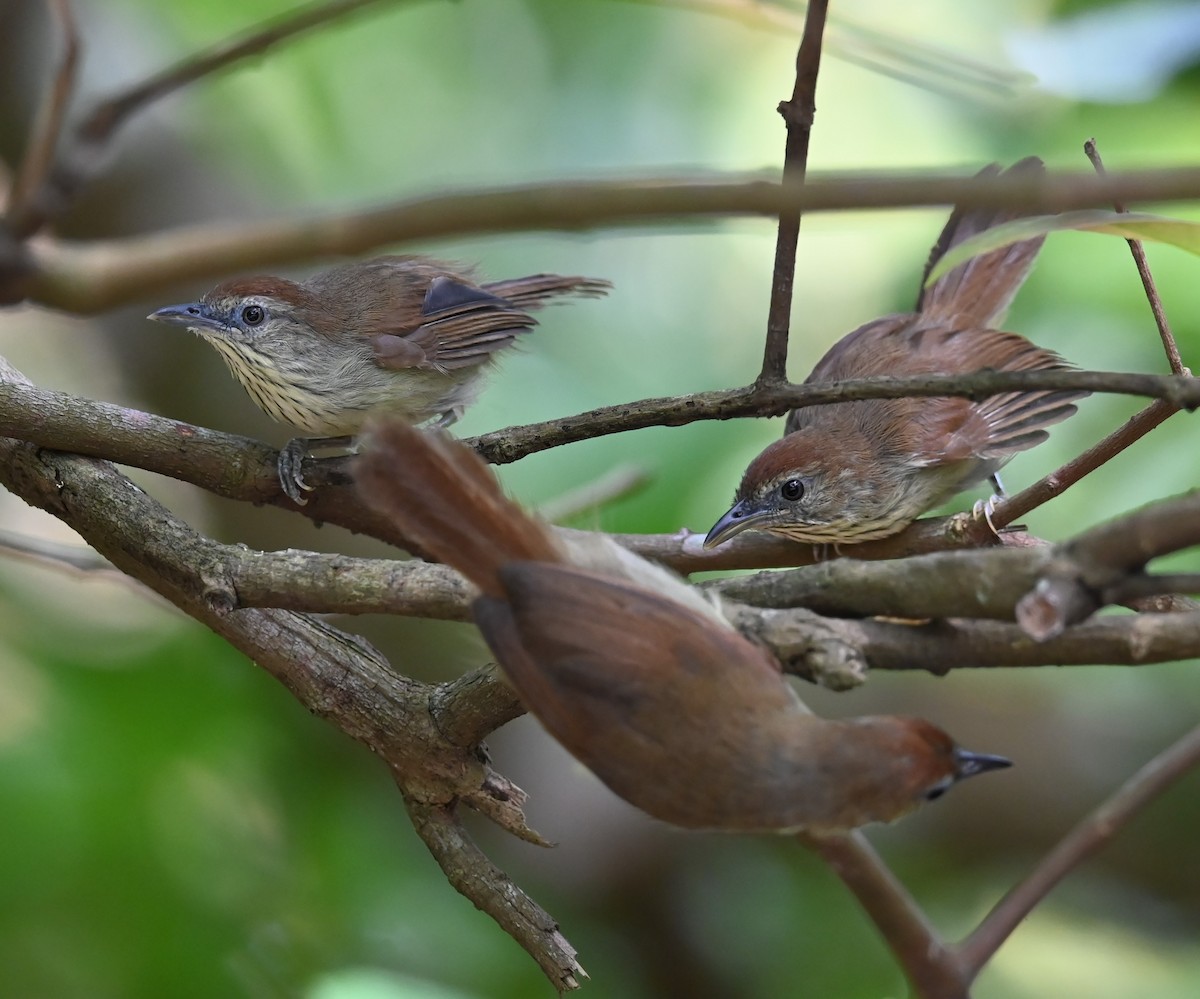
{"x": 863, "y": 470}
{"x": 403, "y": 334}
{"x": 640, "y": 676}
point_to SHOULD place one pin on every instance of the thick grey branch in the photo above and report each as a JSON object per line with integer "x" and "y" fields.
{"x": 1094, "y": 569}
{"x": 837, "y": 652}
{"x": 335, "y": 675}
{"x": 983, "y": 583}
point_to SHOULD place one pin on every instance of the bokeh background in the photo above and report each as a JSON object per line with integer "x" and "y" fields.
{"x": 172, "y": 823}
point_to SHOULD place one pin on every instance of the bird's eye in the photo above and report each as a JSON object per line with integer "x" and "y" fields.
{"x": 792, "y": 490}
{"x": 253, "y": 315}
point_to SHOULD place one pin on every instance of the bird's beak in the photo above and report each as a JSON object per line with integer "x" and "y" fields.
{"x": 194, "y": 315}
{"x": 742, "y": 515}
{"x": 970, "y": 764}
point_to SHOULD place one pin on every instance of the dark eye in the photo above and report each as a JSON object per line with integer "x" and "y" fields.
{"x": 253, "y": 315}
{"x": 792, "y": 490}
{"x": 938, "y": 789}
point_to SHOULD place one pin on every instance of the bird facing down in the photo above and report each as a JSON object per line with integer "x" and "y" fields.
{"x": 399, "y": 334}
{"x": 638, "y": 675}
{"x": 858, "y": 471}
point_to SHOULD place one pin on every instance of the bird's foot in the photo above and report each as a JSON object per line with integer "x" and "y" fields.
{"x": 291, "y": 463}
{"x": 448, "y": 418}
{"x": 983, "y": 510}
{"x": 291, "y": 470}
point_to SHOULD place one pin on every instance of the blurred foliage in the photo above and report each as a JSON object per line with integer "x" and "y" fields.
{"x": 175, "y": 825}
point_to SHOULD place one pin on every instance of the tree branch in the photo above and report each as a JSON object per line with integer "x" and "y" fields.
{"x": 90, "y": 277}
{"x": 514, "y": 443}
{"x": 1011, "y": 508}
{"x": 66, "y": 170}
{"x": 335, "y": 675}
{"x": 838, "y": 653}
{"x": 27, "y": 200}
{"x": 798, "y": 114}
{"x": 1088, "y": 837}
{"x": 932, "y": 969}
{"x": 243, "y": 469}
{"x": 1089, "y": 571}
{"x": 1143, "y": 269}
{"x": 471, "y": 874}
{"x": 1058, "y": 481}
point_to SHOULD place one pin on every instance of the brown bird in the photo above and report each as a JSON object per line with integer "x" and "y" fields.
{"x": 857, "y": 471}
{"x": 639, "y": 676}
{"x": 404, "y": 335}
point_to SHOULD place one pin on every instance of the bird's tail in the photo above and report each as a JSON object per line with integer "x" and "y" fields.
{"x": 447, "y": 502}
{"x": 980, "y": 291}
{"x": 536, "y": 290}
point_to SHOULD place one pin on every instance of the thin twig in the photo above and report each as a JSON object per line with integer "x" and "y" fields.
{"x": 916, "y": 945}
{"x": 128, "y": 436}
{"x": 772, "y": 399}
{"x": 1141, "y": 424}
{"x": 1143, "y": 267}
{"x": 932, "y": 969}
{"x": 617, "y": 483}
{"x": 1085, "y": 839}
{"x": 75, "y": 165}
{"x": 798, "y": 113}
{"x": 23, "y": 207}
{"x": 72, "y": 558}
{"x": 472, "y": 874}
{"x": 1013, "y": 507}
{"x": 76, "y": 560}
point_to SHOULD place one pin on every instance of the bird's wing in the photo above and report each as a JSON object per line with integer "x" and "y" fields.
{"x": 613, "y": 672}
{"x": 943, "y": 429}
{"x": 460, "y": 326}
{"x": 588, "y": 639}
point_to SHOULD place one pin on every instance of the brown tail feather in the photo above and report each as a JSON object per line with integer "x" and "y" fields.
{"x": 443, "y": 497}
{"x": 536, "y": 290}
{"x": 980, "y": 291}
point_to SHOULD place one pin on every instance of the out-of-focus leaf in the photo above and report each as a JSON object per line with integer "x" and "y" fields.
{"x": 1128, "y": 225}
{"x": 371, "y": 983}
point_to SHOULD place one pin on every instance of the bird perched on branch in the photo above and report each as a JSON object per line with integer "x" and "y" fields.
{"x": 401, "y": 334}
{"x": 638, "y": 675}
{"x": 858, "y": 471}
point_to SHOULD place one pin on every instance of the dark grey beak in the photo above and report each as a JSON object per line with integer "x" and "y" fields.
{"x": 970, "y": 764}
{"x": 742, "y": 515}
{"x": 193, "y": 315}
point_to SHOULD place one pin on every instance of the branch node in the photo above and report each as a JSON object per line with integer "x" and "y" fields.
{"x": 500, "y": 800}
{"x": 218, "y": 594}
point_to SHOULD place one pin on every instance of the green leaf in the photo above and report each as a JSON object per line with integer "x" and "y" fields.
{"x": 1127, "y": 225}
